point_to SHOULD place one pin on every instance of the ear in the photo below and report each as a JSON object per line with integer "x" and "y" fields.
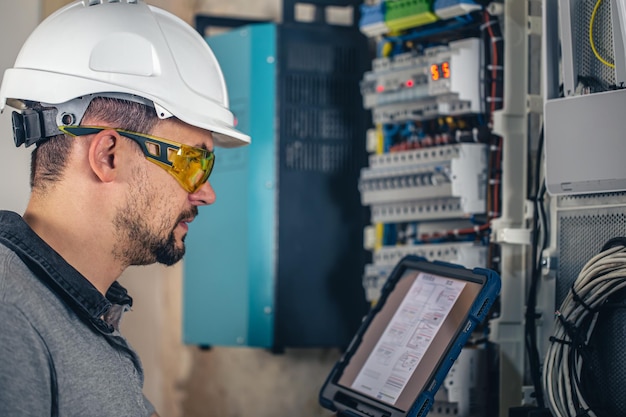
{"x": 103, "y": 154}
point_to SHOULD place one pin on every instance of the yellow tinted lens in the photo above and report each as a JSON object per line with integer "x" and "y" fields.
{"x": 191, "y": 166}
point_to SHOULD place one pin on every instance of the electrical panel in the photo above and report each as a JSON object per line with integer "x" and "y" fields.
{"x": 277, "y": 261}
{"x": 432, "y": 174}
{"x": 432, "y": 180}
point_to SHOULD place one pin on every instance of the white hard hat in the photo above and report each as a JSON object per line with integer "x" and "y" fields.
{"x": 123, "y": 47}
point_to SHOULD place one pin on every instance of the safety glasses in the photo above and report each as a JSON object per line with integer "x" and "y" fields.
{"x": 189, "y": 165}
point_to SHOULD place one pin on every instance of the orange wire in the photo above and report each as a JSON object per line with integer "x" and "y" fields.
{"x": 494, "y": 63}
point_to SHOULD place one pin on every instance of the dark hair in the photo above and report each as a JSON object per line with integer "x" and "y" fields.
{"x": 48, "y": 160}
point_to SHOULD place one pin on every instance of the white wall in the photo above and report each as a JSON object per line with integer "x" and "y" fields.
{"x": 17, "y": 20}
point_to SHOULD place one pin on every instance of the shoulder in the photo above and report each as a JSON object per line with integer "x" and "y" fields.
{"x": 25, "y": 366}
{"x": 19, "y": 297}
{"x": 29, "y": 310}
{"x": 18, "y": 285}
{"x": 17, "y": 334}
{"x": 12, "y": 269}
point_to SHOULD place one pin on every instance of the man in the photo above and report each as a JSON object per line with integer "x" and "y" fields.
{"x": 124, "y": 104}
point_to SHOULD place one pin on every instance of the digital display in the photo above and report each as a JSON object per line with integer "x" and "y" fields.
{"x": 440, "y": 71}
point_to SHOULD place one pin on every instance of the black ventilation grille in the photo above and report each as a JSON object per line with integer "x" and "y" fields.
{"x": 321, "y": 117}
{"x": 323, "y": 157}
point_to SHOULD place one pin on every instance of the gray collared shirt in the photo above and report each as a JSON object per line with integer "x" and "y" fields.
{"x": 61, "y": 353}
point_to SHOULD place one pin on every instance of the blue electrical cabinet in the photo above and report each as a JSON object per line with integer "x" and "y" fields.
{"x": 277, "y": 260}
{"x": 229, "y": 265}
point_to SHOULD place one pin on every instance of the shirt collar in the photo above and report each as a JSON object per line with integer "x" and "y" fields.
{"x": 65, "y": 281}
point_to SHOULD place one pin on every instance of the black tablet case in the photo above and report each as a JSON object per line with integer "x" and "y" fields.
{"x": 351, "y": 403}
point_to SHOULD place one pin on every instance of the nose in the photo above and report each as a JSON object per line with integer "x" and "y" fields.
{"x": 204, "y": 196}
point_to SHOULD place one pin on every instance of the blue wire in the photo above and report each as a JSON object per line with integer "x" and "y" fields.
{"x": 427, "y": 32}
{"x": 464, "y": 19}
{"x": 389, "y": 234}
{"x": 408, "y": 130}
{"x": 389, "y": 131}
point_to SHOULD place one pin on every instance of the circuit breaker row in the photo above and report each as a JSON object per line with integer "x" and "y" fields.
{"x": 465, "y": 253}
{"x": 453, "y": 171}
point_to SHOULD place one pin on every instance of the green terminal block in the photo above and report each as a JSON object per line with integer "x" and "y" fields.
{"x": 405, "y": 14}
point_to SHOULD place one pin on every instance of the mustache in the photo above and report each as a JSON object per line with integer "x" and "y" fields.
{"x": 188, "y": 215}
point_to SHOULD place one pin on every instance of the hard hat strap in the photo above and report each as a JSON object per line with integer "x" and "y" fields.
{"x": 40, "y": 121}
{"x": 34, "y": 125}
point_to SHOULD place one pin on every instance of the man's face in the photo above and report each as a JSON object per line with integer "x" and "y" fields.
{"x": 152, "y": 223}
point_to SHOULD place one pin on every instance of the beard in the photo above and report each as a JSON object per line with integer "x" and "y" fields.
{"x": 143, "y": 244}
{"x": 165, "y": 250}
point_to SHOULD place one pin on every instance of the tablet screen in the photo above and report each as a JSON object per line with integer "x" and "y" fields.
{"x": 409, "y": 336}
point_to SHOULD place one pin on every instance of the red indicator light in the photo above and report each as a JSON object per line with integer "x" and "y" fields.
{"x": 380, "y": 88}
{"x": 410, "y": 83}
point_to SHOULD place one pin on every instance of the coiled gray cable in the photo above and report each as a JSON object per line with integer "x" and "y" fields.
{"x": 602, "y": 276}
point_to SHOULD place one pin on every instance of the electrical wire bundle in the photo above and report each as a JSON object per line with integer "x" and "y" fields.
{"x": 568, "y": 355}
{"x": 493, "y": 50}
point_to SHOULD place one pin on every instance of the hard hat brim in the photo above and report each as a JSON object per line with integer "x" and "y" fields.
{"x": 52, "y": 88}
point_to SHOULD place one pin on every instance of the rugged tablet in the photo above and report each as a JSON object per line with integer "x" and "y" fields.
{"x": 408, "y": 342}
